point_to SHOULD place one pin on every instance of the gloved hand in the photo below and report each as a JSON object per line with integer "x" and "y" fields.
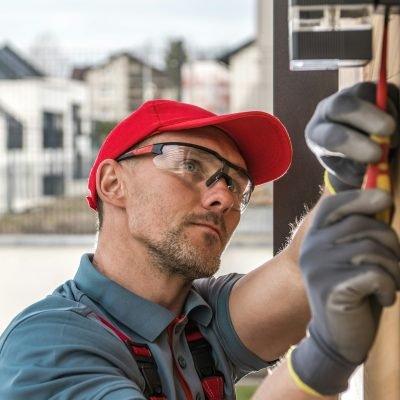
{"x": 350, "y": 263}
{"x": 338, "y": 133}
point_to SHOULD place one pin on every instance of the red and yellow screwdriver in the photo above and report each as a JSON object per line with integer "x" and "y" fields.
{"x": 377, "y": 175}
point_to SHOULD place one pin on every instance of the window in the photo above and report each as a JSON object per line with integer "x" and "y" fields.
{"x": 15, "y": 132}
{"x": 53, "y": 185}
{"x": 78, "y": 172}
{"x": 52, "y": 130}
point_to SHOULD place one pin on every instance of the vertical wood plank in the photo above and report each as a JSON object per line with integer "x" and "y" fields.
{"x": 382, "y": 369}
{"x": 296, "y": 95}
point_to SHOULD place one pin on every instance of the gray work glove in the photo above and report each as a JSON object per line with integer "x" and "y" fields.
{"x": 350, "y": 263}
{"x": 338, "y": 132}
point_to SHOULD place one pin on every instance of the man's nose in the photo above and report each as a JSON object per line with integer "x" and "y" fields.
{"x": 218, "y": 196}
{"x": 217, "y": 177}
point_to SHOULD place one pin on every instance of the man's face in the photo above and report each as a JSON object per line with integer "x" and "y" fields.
{"x": 185, "y": 227}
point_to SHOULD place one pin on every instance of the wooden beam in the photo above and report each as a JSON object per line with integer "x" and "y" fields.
{"x": 296, "y": 95}
{"x": 294, "y": 108}
{"x": 382, "y": 370}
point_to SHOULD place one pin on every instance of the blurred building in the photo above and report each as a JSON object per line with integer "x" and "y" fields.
{"x": 44, "y": 135}
{"x": 244, "y": 76}
{"x": 205, "y": 83}
{"x": 251, "y": 66}
{"x": 121, "y": 84}
{"x": 265, "y": 43}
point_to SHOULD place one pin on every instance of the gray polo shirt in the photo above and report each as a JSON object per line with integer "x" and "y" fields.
{"x": 56, "y": 349}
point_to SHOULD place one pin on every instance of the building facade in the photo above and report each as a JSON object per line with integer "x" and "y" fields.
{"x": 45, "y": 141}
{"x": 121, "y": 85}
{"x": 205, "y": 83}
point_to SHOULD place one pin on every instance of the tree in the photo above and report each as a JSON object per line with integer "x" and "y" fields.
{"x": 47, "y": 54}
{"x": 175, "y": 57}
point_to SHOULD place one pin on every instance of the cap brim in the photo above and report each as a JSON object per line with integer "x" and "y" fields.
{"x": 261, "y": 138}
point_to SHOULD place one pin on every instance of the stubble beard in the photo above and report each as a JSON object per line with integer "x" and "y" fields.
{"x": 175, "y": 254}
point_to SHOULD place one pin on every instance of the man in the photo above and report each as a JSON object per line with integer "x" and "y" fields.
{"x": 143, "y": 317}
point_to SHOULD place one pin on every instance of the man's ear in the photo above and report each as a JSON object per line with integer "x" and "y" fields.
{"x": 109, "y": 183}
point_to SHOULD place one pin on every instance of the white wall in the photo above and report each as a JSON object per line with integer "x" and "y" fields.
{"x": 26, "y": 100}
{"x": 265, "y": 47}
{"x": 206, "y": 84}
{"x": 245, "y": 80}
{"x": 252, "y": 67}
{"x": 30, "y": 272}
{"x": 109, "y": 86}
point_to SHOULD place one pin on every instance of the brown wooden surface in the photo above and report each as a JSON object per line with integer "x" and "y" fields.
{"x": 382, "y": 370}
{"x": 296, "y": 95}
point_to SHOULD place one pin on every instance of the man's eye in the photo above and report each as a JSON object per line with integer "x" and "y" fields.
{"x": 190, "y": 166}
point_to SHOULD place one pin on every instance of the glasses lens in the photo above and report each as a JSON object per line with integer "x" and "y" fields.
{"x": 196, "y": 165}
{"x": 244, "y": 188}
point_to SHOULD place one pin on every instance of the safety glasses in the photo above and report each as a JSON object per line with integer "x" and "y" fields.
{"x": 196, "y": 164}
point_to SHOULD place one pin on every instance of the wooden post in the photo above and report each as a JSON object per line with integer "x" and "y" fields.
{"x": 382, "y": 370}
{"x": 296, "y": 94}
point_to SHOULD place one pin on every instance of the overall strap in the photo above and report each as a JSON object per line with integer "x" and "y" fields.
{"x": 145, "y": 361}
{"x": 211, "y": 379}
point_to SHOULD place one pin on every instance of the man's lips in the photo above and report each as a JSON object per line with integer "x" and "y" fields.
{"x": 214, "y": 228}
{"x": 211, "y": 221}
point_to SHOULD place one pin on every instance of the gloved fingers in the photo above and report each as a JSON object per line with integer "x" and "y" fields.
{"x": 364, "y": 202}
{"x": 390, "y": 265}
{"x": 348, "y": 108}
{"x": 370, "y": 252}
{"x": 340, "y": 128}
{"x": 357, "y": 227}
{"x": 347, "y": 171}
{"x": 384, "y": 238}
{"x": 353, "y": 309}
{"x": 374, "y": 281}
{"x": 364, "y": 251}
{"x": 332, "y": 139}
{"x": 367, "y": 91}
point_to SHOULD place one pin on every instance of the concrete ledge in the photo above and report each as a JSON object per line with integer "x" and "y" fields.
{"x": 240, "y": 239}
{"x": 47, "y": 240}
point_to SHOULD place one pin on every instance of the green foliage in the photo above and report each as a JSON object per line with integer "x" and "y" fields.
{"x": 175, "y": 57}
{"x": 60, "y": 215}
{"x": 101, "y": 130}
{"x": 244, "y": 392}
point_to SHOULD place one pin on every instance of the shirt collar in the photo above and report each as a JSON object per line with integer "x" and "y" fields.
{"x": 142, "y": 316}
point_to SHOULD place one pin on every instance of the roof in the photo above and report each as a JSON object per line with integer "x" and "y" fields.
{"x": 79, "y": 73}
{"x": 130, "y": 56}
{"x": 13, "y": 66}
{"x": 225, "y": 58}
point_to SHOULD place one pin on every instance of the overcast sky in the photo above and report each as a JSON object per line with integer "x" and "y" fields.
{"x": 86, "y": 29}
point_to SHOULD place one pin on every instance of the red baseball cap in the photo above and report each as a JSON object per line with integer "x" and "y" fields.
{"x": 260, "y": 137}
